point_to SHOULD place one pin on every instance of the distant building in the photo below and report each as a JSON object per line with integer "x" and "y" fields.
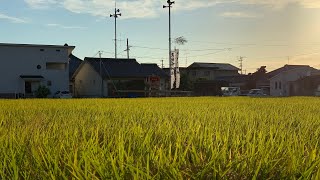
{"x": 280, "y": 78}
{"x": 74, "y": 63}
{"x": 24, "y": 67}
{"x": 211, "y": 71}
{"x": 307, "y": 86}
{"x": 108, "y": 77}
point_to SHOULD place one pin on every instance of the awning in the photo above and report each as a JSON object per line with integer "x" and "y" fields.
{"x": 31, "y": 77}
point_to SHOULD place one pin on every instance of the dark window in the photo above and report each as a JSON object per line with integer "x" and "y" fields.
{"x": 94, "y": 82}
{"x": 41, "y": 49}
{"x": 49, "y": 83}
{"x": 38, "y": 67}
{"x": 58, "y": 50}
{"x": 279, "y": 85}
{"x": 56, "y": 66}
{"x": 207, "y": 73}
{"x": 276, "y": 85}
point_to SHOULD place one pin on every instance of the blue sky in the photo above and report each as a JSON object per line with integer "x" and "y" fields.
{"x": 267, "y": 32}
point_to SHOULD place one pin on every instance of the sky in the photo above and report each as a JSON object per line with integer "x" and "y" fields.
{"x": 268, "y": 33}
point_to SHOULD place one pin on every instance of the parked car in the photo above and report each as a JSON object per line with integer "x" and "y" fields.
{"x": 230, "y": 91}
{"x": 256, "y": 93}
{"x": 62, "y": 95}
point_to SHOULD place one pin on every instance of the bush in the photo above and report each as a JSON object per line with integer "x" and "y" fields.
{"x": 42, "y": 92}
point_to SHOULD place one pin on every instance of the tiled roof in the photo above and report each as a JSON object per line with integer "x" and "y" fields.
{"x": 285, "y": 68}
{"x": 153, "y": 69}
{"x": 74, "y": 63}
{"x": 218, "y": 66}
{"x": 120, "y": 68}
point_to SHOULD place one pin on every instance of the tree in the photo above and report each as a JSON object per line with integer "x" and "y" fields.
{"x": 256, "y": 76}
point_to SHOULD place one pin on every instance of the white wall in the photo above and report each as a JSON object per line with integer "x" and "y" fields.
{"x": 23, "y": 60}
{"x": 284, "y": 78}
{"x": 88, "y": 82}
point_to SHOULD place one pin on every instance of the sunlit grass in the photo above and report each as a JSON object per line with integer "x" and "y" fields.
{"x": 178, "y": 138}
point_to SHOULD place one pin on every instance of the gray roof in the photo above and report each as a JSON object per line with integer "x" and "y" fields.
{"x": 74, "y": 63}
{"x": 153, "y": 69}
{"x": 217, "y": 66}
{"x": 124, "y": 68}
{"x": 286, "y": 68}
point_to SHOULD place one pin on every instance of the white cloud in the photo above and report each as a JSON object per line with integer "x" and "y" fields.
{"x": 152, "y": 8}
{"x": 238, "y": 15}
{"x": 12, "y": 19}
{"x": 65, "y": 27}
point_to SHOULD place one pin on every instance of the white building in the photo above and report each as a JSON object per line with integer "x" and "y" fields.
{"x": 280, "y": 83}
{"x": 24, "y": 67}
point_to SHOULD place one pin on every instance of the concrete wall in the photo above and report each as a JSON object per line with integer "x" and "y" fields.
{"x": 23, "y": 60}
{"x": 282, "y": 80}
{"x": 88, "y": 83}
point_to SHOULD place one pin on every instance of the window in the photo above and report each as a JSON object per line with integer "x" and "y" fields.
{"x": 276, "y": 85}
{"x": 207, "y": 73}
{"x": 58, "y": 50}
{"x": 49, "y": 83}
{"x": 279, "y": 85}
{"x": 80, "y": 81}
{"x": 56, "y": 66}
{"x": 38, "y": 67}
{"x": 93, "y": 81}
{"x": 41, "y": 49}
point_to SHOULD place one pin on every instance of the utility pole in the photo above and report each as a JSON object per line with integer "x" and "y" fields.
{"x": 162, "y": 64}
{"x": 169, "y": 2}
{"x": 115, "y": 15}
{"x": 288, "y": 60}
{"x": 101, "y": 73}
{"x": 241, "y": 64}
{"x": 128, "y": 49}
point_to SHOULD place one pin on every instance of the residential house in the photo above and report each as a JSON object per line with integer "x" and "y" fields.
{"x": 211, "y": 71}
{"x": 306, "y": 86}
{"x": 27, "y": 66}
{"x": 280, "y": 78}
{"x": 74, "y": 63}
{"x": 108, "y": 77}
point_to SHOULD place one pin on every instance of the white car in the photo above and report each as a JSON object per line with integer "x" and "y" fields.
{"x": 256, "y": 93}
{"x": 62, "y": 95}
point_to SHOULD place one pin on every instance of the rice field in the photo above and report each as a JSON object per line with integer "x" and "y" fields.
{"x": 169, "y": 138}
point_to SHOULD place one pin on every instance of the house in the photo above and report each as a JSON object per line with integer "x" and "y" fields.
{"x": 74, "y": 63}
{"x": 109, "y": 77}
{"x": 27, "y": 66}
{"x": 280, "y": 78}
{"x": 307, "y": 86}
{"x": 211, "y": 71}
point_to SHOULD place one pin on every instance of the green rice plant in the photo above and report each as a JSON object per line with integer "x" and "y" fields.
{"x": 160, "y": 138}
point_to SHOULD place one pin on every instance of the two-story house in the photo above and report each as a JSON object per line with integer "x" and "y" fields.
{"x": 24, "y": 67}
{"x": 211, "y": 71}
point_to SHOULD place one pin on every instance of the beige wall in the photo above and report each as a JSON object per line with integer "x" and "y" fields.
{"x": 88, "y": 82}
